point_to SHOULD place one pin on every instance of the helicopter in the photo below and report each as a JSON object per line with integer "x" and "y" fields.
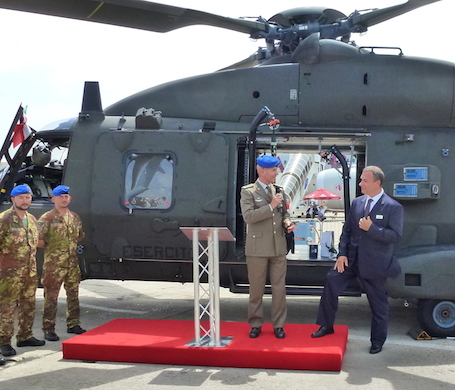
{"x": 176, "y": 155}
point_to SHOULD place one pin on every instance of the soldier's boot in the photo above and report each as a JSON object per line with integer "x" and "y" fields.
{"x": 51, "y": 336}
{"x": 31, "y": 342}
{"x": 7, "y": 350}
{"x": 76, "y": 329}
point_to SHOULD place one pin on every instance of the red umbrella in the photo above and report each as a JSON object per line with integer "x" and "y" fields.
{"x": 322, "y": 194}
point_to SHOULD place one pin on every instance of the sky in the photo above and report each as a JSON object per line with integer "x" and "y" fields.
{"x": 45, "y": 60}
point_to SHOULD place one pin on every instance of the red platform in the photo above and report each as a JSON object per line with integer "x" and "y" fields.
{"x": 164, "y": 342}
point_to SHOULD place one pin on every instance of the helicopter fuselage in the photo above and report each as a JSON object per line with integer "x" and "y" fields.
{"x": 138, "y": 175}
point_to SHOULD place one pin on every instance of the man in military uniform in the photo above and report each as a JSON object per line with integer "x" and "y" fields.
{"x": 60, "y": 230}
{"x": 267, "y": 219}
{"x": 18, "y": 277}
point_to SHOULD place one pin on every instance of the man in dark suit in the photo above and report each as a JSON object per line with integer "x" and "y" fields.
{"x": 373, "y": 227}
{"x": 266, "y": 217}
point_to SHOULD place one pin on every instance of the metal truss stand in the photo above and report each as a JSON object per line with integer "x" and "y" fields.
{"x": 207, "y": 299}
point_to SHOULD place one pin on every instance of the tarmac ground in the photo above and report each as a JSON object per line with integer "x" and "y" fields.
{"x": 403, "y": 364}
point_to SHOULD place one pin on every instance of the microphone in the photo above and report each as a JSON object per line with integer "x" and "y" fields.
{"x": 278, "y": 191}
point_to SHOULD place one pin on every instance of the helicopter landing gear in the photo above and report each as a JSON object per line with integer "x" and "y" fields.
{"x": 437, "y": 317}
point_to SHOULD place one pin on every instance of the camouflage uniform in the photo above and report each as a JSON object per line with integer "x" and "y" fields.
{"x": 18, "y": 277}
{"x": 60, "y": 265}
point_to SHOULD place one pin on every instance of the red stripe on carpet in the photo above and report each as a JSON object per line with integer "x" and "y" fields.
{"x": 163, "y": 342}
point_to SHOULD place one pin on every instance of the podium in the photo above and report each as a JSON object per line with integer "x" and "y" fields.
{"x": 213, "y": 235}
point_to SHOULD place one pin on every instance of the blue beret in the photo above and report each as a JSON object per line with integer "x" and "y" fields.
{"x": 267, "y": 161}
{"x": 60, "y": 190}
{"x": 21, "y": 189}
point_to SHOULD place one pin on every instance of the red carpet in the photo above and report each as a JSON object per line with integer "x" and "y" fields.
{"x": 163, "y": 342}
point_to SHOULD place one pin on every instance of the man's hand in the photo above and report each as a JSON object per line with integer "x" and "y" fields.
{"x": 341, "y": 263}
{"x": 365, "y": 223}
{"x": 276, "y": 200}
{"x": 289, "y": 226}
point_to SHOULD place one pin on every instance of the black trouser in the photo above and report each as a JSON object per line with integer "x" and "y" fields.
{"x": 375, "y": 289}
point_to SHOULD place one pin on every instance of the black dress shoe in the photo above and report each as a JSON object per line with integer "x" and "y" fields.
{"x": 254, "y": 333}
{"x": 375, "y": 348}
{"x": 323, "y": 331}
{"x": 31, "y": 342}
{"x": 279, "y": 333}
{"x": 8, "y": 350}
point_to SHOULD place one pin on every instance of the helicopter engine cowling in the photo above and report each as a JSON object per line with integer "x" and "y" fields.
{"x": 378, "y": 90}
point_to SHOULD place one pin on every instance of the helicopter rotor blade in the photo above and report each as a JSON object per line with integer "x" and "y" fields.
{"x": 362, "y": 22}
{"x": 139, "y": 14}
{"x": 157, "y": 17}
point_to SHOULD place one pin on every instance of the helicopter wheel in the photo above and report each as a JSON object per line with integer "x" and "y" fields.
{"x": 437, "y": 317}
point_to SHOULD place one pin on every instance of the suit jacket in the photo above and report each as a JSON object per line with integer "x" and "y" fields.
{"x": 373, "y": 250}
{"x": 265, "y": 227}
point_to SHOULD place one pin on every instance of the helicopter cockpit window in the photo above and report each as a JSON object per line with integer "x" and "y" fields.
{"x": 148, "y": 181}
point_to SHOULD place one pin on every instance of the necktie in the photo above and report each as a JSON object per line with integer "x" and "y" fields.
{"x": 271, "y": 189}
{"x": 367, "y": 208}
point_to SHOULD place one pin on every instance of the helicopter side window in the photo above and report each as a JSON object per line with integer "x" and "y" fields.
{"x": 148, "y": 181}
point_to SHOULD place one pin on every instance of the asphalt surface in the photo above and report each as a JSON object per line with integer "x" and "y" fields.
{"x": 404, "y": 363}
